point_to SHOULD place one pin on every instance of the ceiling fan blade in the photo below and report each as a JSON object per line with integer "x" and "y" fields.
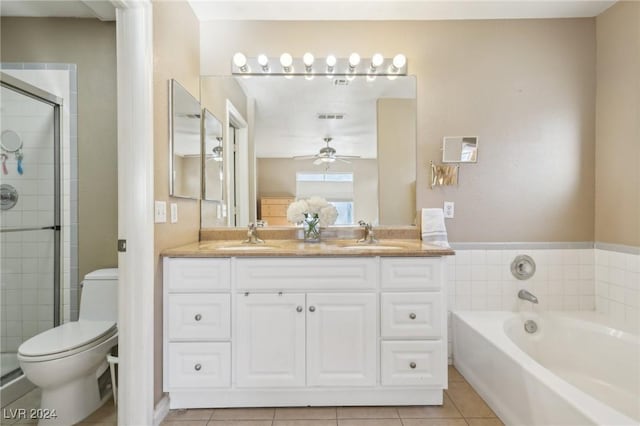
{"x": 318, "y": 162}
{"x": 348, "y": 156}
{"x": 344, "y": 161}
{"x": 305, "y": 157}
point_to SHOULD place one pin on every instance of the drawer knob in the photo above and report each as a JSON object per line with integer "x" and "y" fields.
{"x": 197, "y": 367}
{"x": 198, "y": 317}
{"x": 412, "y": 315}
{"x": 412, "y": 365}
{"x": 299, "y": 309}
{"x": 312, "y": 308}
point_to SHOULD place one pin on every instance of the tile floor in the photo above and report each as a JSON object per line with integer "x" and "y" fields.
{"x": 462, "y": 407}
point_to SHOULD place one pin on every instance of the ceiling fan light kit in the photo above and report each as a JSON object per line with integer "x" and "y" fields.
{"x": 327, "y": 154}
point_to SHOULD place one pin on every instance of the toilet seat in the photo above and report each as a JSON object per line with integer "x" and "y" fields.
{"x": 66, "y": 340}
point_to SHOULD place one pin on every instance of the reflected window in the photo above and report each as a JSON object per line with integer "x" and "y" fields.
{"x": 335, "y": 187}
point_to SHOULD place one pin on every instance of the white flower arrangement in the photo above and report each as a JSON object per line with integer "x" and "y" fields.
{"x": 314, "y": 207}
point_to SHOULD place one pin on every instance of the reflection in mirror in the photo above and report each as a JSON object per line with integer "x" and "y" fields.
{"x": 460, "y": 149}
{"x": 213, "y": 172}
{"x": 184, "y": 143}
{"x": 351, "y": 141}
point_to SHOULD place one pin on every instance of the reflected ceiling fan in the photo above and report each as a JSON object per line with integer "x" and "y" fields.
{"x": 326, "y": 155}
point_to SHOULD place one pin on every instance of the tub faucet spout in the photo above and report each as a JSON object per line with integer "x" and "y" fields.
{"x": 525, "y": 295}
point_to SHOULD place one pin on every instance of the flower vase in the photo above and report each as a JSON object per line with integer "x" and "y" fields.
{"x": 311, "y": 227}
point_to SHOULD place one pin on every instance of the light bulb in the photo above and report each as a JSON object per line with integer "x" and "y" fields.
{"x": 354, "y": 60}
{"x": 263, "y": 61}
{"x": 376, "y": 60}
{"x": 331, "y": 61}
{"x": 240, "y": 61}
{"x": 286, "y": 60}
{"x": 399, "y": 61}
{"x": 308, "y": 59}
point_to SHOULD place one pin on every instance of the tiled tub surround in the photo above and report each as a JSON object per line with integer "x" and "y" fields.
{"x": 569, "y": 277}
{"x": 617, "y": 285}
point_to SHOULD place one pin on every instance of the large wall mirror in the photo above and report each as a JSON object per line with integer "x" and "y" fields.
{"x": 349, "y": 140}
{"x": 184, "y": 143}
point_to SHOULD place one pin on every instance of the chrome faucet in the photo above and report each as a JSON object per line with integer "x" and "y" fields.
{"x": 252, "y": 236}
{"x": 525, "y": 295}
{"x": 369, "y": 237}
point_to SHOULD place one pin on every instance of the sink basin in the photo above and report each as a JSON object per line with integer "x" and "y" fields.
{"x": 371, "y": 247}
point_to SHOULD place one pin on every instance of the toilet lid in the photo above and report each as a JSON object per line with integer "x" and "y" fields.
{"x": 66, "y": 337}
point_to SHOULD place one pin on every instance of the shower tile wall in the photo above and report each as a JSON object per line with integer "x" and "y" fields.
{"x": 61, "y": 80}
{"x": 27, "y": 257}
{"x": 481, "y": 280}
{"x": 618, "y": 286}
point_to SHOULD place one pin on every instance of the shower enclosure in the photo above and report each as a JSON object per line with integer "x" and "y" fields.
{"x": 30, "y": 222}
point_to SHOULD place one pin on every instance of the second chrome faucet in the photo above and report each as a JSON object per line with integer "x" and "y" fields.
{"x": 369, "y": 236}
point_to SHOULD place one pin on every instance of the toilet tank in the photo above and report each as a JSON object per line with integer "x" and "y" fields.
{"x": 99, "y": 297}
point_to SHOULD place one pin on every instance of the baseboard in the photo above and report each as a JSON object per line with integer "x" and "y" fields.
{"x": 161, "y": 410}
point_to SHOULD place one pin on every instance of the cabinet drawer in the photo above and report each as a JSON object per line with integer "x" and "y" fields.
{"x": 411, "y": 273}
{"x": 190, "y": 275}
{"x": 306, "y": 273}
{"x": 412, "y": 363}
{"x": 199, "y": 316}
{"x": 199, "y": 365}
{"x": 411, "y": 315}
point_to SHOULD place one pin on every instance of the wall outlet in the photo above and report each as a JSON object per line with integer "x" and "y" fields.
{"x": 160, "y": 212}
{"x": 174, "y": 213}
{"x": 449, "y": 209}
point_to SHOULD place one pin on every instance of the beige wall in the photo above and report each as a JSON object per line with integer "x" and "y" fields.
{"x": 277, "y": 176}
{"x": 396, "y": 146}
{"x": 525, "y": 87}
{"x": 175, "y": 49}
{"x": 617, "y": 209}
{"x": 91, "y": 44}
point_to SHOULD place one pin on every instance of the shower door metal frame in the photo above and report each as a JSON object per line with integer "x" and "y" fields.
{"x": 38, "y": 94}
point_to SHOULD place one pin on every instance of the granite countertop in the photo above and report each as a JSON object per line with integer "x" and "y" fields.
{"x": 295, "y": 248}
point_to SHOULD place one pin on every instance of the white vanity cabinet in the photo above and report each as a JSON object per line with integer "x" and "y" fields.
{"x": 288, "y": 331}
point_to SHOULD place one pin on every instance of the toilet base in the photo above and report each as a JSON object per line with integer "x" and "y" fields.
{"x": 73, "y": 401}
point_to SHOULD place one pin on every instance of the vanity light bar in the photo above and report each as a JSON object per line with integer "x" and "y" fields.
{"x": 310, "y": 66}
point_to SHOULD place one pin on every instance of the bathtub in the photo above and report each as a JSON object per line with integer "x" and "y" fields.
{"x": 574, "y": 370}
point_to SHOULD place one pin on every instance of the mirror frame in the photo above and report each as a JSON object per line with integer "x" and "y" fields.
{"x": 172, "y": 85}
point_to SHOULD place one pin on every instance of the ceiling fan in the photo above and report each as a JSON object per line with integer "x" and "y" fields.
{"x": 327, "y": 154}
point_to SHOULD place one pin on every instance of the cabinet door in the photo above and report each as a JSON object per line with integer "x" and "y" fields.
{"x": 270, "y": 340}
{"x": 341, "y": 339}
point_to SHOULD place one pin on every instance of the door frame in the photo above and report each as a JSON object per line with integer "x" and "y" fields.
{"x": 234, "y": 118}
{"x": 134, "y": 52}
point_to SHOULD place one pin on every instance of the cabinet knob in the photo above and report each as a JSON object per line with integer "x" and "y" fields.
{"x": 197, "y": 367}
{"x": 412, "y": 365}
{"x": 198, "y": 317}
{"x": 312, "y": 308}
{"x": 299, "y": 309}
{"x": 412, "y": 315}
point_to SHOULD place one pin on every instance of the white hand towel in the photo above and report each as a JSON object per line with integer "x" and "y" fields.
{"x": 433, "y": 229}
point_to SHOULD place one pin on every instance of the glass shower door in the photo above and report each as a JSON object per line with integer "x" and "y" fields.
{"x": 29, "y": 218}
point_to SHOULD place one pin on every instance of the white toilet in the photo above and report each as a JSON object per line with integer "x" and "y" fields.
{"x": 69, "y": 362}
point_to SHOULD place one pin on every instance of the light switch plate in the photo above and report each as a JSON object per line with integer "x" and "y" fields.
{"x": 449, "y": 209}
{"x": 174, "y": 213}
{"x": 160, "y": 212}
